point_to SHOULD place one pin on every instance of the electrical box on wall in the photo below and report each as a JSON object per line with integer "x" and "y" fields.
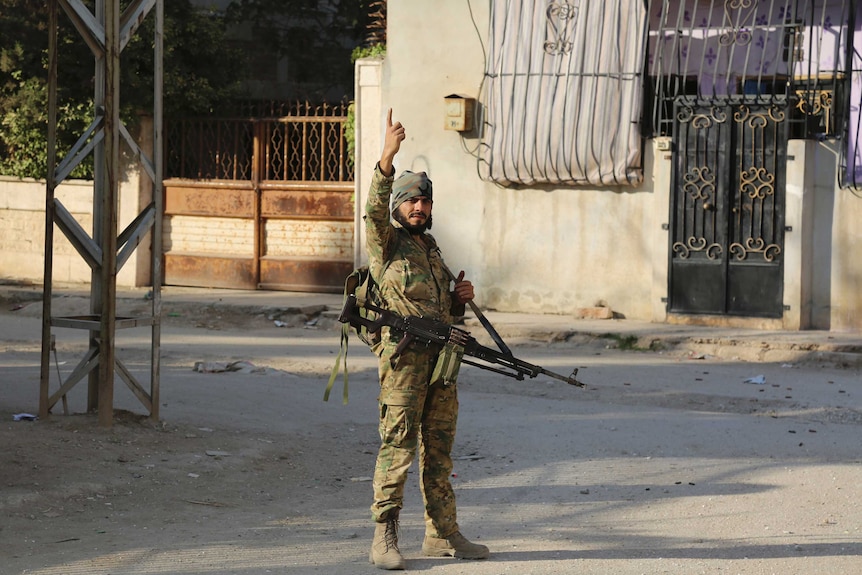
{"x": 459, "y": 112}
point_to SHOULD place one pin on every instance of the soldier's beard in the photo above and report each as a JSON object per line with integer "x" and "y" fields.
{"x": 414, "y": 229}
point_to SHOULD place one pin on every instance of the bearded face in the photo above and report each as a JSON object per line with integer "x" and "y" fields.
{"x": 413, "y": 229}
{"x": 414, "y": 214}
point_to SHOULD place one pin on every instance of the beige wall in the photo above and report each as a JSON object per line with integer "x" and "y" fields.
{"x": 554, "y": 250}
{"x": 548, "y": 250}
{"x": 22, "y": 231}
{"x": 823, "y": 273}
{"x": 846, "y": 272}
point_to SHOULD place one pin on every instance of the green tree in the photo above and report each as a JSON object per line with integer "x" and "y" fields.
{"x": 202, "y": 68}
{"x": 316, "y": 36}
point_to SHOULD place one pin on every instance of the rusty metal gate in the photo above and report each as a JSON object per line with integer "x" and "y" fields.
{"x": 727, "y": 213}
{"x": 261, "y": 203}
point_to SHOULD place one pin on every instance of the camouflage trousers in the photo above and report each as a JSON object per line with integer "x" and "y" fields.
{"x": 415, "y": 414}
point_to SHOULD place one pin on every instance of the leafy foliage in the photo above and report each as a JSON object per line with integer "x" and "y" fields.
{"x": 367, "y": 52}
{"x": 202, "y": 65}
{"x": 23, "y": 127}
{"x": 316, "y": 36}
{"x": 350, "y": 134}
{"x": 201, "y": 69}
{"x": 208, "y": 56}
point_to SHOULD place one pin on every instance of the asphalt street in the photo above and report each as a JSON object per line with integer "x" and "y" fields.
{"x": 717, "y": 452}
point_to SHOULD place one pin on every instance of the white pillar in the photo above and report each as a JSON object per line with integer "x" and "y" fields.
{"x": 660, "y": 158}
{"x": 368, "y": 109}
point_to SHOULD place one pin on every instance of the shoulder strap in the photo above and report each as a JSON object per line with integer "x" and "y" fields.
{"x": 358, "y": 285}
{"x": 342, "y": 354}
{"x": 353, "y": 282}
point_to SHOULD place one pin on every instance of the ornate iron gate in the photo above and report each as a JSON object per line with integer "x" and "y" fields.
{"x": 731, "y": 81}
{"x": 727, "y": 209}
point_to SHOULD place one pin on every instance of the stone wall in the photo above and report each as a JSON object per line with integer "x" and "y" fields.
{"x": 22, "y": 231}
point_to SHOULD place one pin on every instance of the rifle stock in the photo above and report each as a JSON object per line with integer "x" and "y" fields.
{"x": 427, "y": 331}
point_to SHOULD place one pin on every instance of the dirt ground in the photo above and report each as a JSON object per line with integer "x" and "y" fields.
{"x": 665, "y": 464}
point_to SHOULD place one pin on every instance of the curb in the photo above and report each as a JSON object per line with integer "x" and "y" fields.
{"x": 802, "y": 347}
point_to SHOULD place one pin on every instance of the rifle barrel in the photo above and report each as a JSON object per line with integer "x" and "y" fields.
{"x": 571, "y": 380}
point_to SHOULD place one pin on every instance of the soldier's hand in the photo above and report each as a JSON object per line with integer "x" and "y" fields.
{"x": 395, "y": 134}
{"x": 463, "y": 291}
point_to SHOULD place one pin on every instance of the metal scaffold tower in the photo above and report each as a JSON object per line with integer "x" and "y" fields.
{"x": 106, "y": 31}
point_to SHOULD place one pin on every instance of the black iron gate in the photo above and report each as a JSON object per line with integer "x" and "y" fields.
{"x": 727, "y": 208}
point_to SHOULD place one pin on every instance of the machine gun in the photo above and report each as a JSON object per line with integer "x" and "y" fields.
{"x": 427, "y": 331}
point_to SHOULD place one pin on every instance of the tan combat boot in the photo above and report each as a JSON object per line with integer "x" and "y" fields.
{"x": 456, "y": 545}
{"x": 384, "y": 548}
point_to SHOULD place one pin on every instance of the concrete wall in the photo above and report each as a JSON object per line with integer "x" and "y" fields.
{"x": 555, "y": 250}
{"x": 823, "y": 270}
{"x": 22, "y": 230}
{"x": 548, "y": 250}
{"x": 846, "y": 263}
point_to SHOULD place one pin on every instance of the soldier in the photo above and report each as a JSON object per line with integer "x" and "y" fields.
{"x": 417, "y": 408}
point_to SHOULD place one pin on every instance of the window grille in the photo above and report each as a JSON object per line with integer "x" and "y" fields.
{"x": 563, "y": 92}
{"x": 798, "y": 54}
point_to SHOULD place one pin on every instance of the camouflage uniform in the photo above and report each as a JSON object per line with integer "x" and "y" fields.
{"x": 414, "y": 412}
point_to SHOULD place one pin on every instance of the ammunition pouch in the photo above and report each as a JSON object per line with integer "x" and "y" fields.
{"x": 448, "y": 364}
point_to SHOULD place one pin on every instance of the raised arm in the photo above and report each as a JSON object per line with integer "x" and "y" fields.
{"x": 379, "y": 231}
{"x": 391, "y": 144}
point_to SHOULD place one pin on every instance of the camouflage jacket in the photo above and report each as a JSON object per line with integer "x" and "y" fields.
{"x": 414, "y": 281}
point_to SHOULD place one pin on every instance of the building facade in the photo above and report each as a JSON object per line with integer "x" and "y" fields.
{"x": 690, "y": 161}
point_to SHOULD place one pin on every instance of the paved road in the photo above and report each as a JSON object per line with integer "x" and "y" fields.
{"x": 669, "y": 463}
{"x": 809, "y": 346}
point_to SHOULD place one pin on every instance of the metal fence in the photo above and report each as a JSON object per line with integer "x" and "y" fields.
{"x": 793, "y": 53}
{"x": 277, "y": 142}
